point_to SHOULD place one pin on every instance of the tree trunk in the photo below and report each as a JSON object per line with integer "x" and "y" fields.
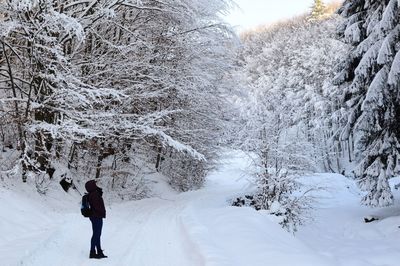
{"x": 99, "y": 163}
{"x": 72, "y": 155}
{"x": 21, "y": 141}
{"x": 159, "y": 158}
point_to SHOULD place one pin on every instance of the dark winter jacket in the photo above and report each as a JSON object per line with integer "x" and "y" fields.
{"x": 95, "y": 199}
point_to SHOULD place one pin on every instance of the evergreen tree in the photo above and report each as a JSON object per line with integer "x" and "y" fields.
{"x": 372, "y": 95}
{"x": 318, "y": 10}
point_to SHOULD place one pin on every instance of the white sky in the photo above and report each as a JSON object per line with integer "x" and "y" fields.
{"x": 253, "y": 13}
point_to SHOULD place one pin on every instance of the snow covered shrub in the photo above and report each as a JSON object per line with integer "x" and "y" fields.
{"x": 279, "y": 194}
{"x": 274, "y": 190}
{"x": 128, "y": 185}
{"x": 183, "y": 172}
{"x": 42, "y": 183}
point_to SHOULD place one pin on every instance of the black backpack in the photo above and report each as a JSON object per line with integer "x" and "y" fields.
{"x": 85, "y": 206}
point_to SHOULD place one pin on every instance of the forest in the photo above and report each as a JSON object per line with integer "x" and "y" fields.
{"x": 119, "y": 89}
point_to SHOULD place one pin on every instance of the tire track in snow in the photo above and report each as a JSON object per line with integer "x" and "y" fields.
{"x": 151, "y": 234}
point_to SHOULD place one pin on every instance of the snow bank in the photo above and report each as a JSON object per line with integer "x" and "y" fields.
{"x": 23, "y": 218}
{"x": 241, "y": 236}
{"x": 339, "y": 232}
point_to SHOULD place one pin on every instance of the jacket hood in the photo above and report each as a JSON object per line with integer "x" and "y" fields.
{"x": 91, "y": 186}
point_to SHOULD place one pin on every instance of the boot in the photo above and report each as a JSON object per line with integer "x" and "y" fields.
{"x": 100, "y": 254}
{"x": 93, "y": 255}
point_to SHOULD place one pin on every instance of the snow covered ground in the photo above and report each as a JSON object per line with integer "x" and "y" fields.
{"x": 340, "y": 233}
{"x": 198, "y": 228}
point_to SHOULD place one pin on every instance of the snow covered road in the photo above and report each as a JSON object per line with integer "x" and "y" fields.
{"x": 151, "y": 233}
{"x": 197, "y": 228}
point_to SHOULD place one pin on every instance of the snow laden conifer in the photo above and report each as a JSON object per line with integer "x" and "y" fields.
{"x": 372, "y": 76}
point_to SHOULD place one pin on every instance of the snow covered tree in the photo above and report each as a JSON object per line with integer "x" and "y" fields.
{"x": 92, "y": 80}
{"x": 371, "y": 74}
{"x": 288, "y": 68}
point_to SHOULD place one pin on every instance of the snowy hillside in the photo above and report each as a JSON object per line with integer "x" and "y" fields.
{"x": 198, "y": 228}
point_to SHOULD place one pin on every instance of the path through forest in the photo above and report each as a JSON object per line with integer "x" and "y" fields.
{"x": 200, "y": 228}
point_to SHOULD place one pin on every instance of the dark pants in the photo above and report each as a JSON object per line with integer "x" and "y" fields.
{"x": 97, "y": 225}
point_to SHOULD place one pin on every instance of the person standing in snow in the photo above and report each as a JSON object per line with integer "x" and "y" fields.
{"x": 98, "y": 213}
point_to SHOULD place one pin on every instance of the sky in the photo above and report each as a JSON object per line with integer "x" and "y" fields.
{"x": 254, "y": 13}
